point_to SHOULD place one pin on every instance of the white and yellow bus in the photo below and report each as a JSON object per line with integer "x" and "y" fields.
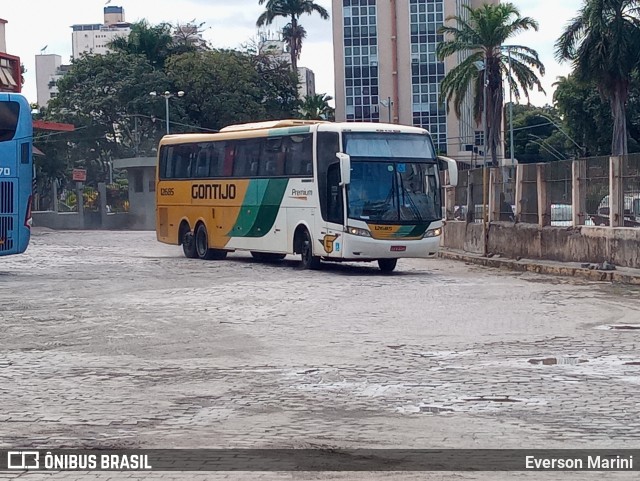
{"x": 326, "y": 191}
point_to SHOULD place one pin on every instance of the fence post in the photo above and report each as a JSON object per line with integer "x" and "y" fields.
{"x": 519, "y": 190}
{"x": 471, "y": 208}
{"x": 54, "y": 193}
{"x": 102, "y": 198}
{"x": 495, "y": 184}
{"x": 578, "y": 192}
{"x": 80, "y": 202}
{"x": 544, "y": 206}
{"x": 449, "y": 198}
{"x": 616, "y": 196}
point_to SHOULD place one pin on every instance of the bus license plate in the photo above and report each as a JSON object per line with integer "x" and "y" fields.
{"x": 398, "y": 248}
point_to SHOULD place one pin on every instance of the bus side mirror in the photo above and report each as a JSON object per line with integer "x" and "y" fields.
{"x": 452, "y": 168}
{"x": 345, "y": 168}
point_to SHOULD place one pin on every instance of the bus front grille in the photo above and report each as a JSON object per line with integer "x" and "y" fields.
{"x": 6, "y": 197}
{"x": 6, "y": 233}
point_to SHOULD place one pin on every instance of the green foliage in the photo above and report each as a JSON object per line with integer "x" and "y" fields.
{"x": 602, "y": 44}
{"x": 480, "y": 35}
{"x": 536, "y": 135}
{"x": 316, "y": 107}
{"x": 227, "y": 87}
{"x": 588, "y": 117}
{"x": 106, "y": 98}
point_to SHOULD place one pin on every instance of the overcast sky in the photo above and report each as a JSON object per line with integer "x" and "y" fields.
{"x": 34, "y": 24}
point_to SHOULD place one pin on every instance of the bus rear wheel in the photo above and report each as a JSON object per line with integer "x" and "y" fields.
{"x": 188, "y": 245}
{"x": 387, "y": 265}
{"x": 309, "y": 261}
{"x": 202, "y": 246}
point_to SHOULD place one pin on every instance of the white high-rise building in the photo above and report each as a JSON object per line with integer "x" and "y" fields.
{"x": 94, "y": 38}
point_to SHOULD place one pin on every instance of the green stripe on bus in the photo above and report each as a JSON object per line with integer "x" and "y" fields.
{"x": 418, "y": 230}
{"x": 256, "y": 217}
{"x": 269, "y": 207}
{"x": 288, "y": 131}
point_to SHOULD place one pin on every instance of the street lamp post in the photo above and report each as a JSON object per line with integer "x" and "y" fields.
{"x": 167, "y": 95}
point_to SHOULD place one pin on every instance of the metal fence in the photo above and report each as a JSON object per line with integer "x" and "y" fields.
{"x": 558, "y": 179}
{"x": 597, "y": 185}
{"x": 529, "y": 196}
{"x": 511, "y": 193}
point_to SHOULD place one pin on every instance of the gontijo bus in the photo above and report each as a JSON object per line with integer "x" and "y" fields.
{"x": 326, "y": 191}
{"x": 16, "y": 173}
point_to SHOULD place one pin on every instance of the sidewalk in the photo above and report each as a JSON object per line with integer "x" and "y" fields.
{"x": 622, "y": 275}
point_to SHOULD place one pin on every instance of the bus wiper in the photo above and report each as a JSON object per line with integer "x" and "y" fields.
{"x": 412, "y": 204}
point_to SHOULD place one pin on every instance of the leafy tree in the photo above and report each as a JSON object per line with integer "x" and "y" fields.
{"x": 316, "y": 107}
{"x": 106, "y": 97}
{"x": 279, "y": 85}
{"x": 226, "y": 87}
{"x": 536, "y": 135}
{"x": 481, "y": 38}
{"x": 153, "y": 41}
{"x": 292, "y": 9}
{"x": 602, "y": 43}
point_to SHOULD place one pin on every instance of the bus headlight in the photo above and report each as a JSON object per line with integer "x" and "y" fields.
{"x": 358, "y": 231}
{"x": 433, "y": 232}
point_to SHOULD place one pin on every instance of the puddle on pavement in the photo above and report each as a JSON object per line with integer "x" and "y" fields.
{"x": 553, "y": 361}
{"x": 499, "y": 399}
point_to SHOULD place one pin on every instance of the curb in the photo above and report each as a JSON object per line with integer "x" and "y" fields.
{"x": 527, "y": 265}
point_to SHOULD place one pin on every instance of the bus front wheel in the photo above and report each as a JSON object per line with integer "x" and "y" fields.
{"x": 387, "y": 265}
{"x": 189, "y": 245}
{"x": 309, "y": 261}
{"x": 202, "y": 246}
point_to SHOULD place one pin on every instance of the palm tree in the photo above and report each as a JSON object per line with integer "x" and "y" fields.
{"x": 316, "y": 107}
{"x": 294, "y": 36}
{"x": 153, "y": 41}
{"x": 481, "y": 38}
{"x": 291, "y": 9}
{"x": 603, "y": 42}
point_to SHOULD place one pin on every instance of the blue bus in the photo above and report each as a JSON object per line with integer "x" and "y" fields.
{"x": 16, "y": 173}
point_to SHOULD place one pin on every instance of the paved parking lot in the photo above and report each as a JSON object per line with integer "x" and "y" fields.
{"x": 112, "y": 340}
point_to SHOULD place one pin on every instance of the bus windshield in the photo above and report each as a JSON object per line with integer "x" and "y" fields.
{"x": 393, "y": 178}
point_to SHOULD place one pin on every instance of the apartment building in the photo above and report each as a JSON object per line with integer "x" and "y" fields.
{"x": 386, "y": 68}
{"x": 95, "y": 37}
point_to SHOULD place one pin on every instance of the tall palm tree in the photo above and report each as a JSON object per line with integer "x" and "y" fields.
{"x": 294, "y": 36}
{"x": 291, "y": 9}
{"x": 153, "y": 41}
{"x": 481, "y": 38}
{"x": 603, "y": 42}
{"x": 316, "y": 107}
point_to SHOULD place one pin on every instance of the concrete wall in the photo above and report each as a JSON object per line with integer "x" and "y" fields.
{"x": 621, "y": 246}
{"x": 142, "y": 198}
{"x": 74, "y": 221}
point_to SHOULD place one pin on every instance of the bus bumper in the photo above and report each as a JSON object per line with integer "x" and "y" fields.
{"x": 366, "y": 248}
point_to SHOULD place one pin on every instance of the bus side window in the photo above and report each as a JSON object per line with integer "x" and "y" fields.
{"x": 271, "y": 158}
{"x": 202, "y": 163}
{"x": 247, "y": 158}
{"x": 229, "y": 158}
{"x": 217, "y": 159}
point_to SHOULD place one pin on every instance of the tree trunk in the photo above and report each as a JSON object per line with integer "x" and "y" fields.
{"x": 618, "y": 103}
{"x": 293, "y": 47}
{"x": 494, "y": 111}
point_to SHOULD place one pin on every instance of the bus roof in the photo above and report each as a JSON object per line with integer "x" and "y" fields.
{"x": 270, "y": 124}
